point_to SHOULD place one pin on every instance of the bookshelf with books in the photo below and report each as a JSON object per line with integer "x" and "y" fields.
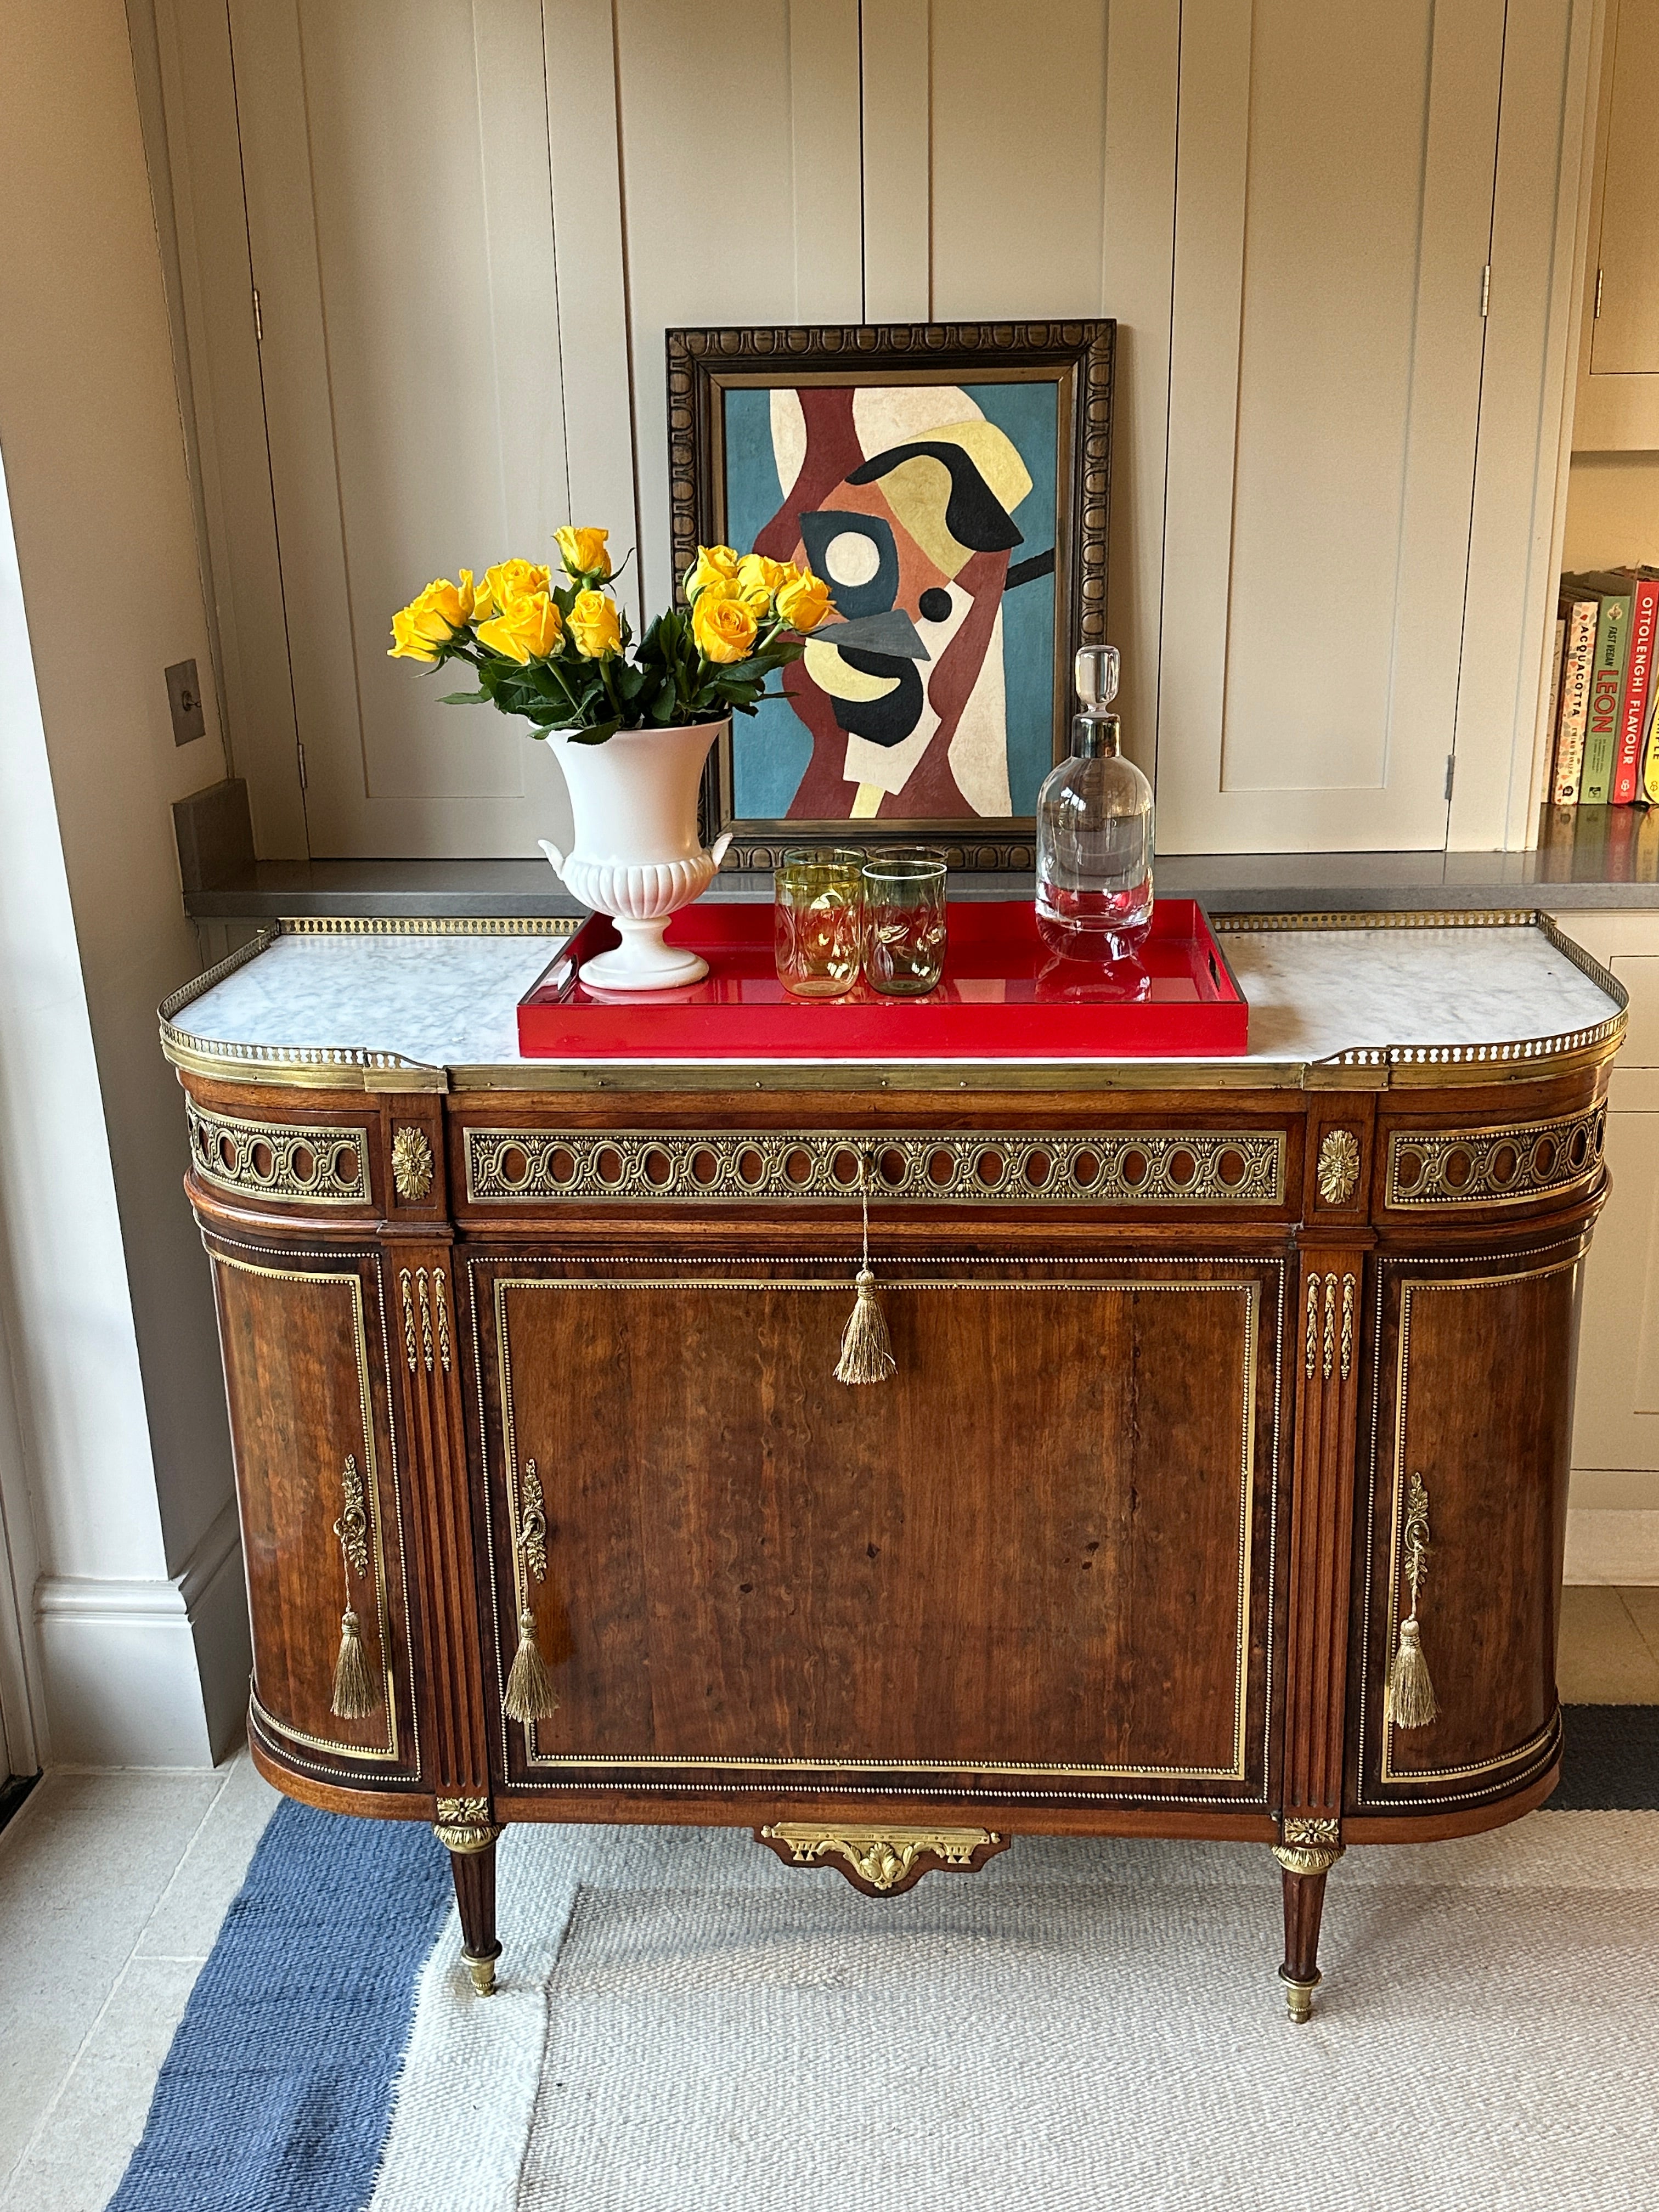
{"x": 1605, "y": 714}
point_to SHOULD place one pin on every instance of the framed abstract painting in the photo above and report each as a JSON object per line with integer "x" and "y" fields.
{"x": 951, "y": 481}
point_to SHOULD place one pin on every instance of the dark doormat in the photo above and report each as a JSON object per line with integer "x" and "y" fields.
{"x": 1611, "y": 1763}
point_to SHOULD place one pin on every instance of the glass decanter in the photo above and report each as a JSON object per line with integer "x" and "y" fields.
{"x": 1094, "y": 831}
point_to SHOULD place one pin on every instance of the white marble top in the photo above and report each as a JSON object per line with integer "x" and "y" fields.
{"x": 451, "y": 1000}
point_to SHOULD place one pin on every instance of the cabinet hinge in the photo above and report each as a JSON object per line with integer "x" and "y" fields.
{"x": 1596, "y": 316}
{"x": 305, "y": 784}
{"x": 1485, "y": 288}
{"x": 259, "y": 319}
{"x": 1451, "y": 770}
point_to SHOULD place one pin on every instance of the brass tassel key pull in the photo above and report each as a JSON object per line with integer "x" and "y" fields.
{"x": 866, "y": 1350}
{"x": 355, "y": 1694}
{"x": 353, "y": 1698}
{"x": 530, "y": 1694}
{"x": 1411, "y": 1701}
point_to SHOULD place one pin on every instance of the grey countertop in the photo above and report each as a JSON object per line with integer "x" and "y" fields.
{"x": 1593, "y": 856}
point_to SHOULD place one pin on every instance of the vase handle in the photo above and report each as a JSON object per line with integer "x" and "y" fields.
{"x": 721, "y": 845}
{"x": 555, "y": 857}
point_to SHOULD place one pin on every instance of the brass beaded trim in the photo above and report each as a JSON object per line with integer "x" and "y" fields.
{"x": 1135, "y": 1167}
{"x": 264, "y": 1159}
{"x": 1515, "y": 1163}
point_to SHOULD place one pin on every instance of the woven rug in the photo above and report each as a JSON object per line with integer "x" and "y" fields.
{"x": 684, "y": 2024}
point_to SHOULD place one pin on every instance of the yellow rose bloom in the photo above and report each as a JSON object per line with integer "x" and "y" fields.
{"x": 804, "y": 602}
{"x": 715, "y": 564}
{"x": 724, "y": 629}
{"x": 583, "y": 551}
{"x": 508, "y": 579}
{"x": 595, "y": 626}
{"x": 528, "y": 628}
{"x": 759, "y": 577}
{"x": 432, "y": 619}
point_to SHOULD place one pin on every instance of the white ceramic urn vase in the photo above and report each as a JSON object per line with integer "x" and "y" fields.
{"x": 637, "y": 855}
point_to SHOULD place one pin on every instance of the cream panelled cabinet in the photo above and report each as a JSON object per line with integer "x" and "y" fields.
{"x": 1618, "y": 364}
{"x": 468, "y": 227}
{"x": 1613, "y": 1527}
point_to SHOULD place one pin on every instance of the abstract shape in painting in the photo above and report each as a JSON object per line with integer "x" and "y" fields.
{"x": 928, "y": 694}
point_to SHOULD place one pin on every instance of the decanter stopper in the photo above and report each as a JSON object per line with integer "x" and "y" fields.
{"x": 1094, "y": 672}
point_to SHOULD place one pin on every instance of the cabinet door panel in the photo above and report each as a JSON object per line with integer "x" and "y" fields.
{"x": 305, "y": 1379}
{"x": 1041, "y": 1550}
{"x": 410, "y": 369}
{"x": 1624, "y": 329}
{"x": 1475, "y": 1399}
{"x": 1333, "y": 218}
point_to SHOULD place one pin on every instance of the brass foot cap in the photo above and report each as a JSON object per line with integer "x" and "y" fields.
{"x": 482, "y": 1969}
{"x": 1298, "y": 1995}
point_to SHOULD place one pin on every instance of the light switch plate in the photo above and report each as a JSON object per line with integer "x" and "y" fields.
{"x": 185, "y": 702}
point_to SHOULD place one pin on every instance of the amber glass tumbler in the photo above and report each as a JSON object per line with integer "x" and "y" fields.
{"x": 817, "y": 910}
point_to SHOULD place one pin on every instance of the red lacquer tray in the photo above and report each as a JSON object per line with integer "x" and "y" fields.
{"x": 1005, "y": 996}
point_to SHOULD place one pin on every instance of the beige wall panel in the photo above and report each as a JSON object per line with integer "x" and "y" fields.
{"x": 1045, "y": 166}
{"x": 1612, "y": 511}
{"x": 1525, "y": 397}
{"x": 1323, "y": 431}
{"x": 898, "y": 160}
{"x": 1138, "y": 270}
{"x": 205, "y": 166}
{"x": 411, "y": 386}
{"x": 708, "y": 248}
{"x": 587, "y": 216}
{"x": 1018, "y": 139}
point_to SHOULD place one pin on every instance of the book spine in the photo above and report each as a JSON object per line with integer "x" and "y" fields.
{"x": 1543, "y": 751}
{"x": 1650, "y": 749}
{"x": 1575, "y": 702}
{"x": 1605, "y": 696}
{"x": 1639, "y": 682}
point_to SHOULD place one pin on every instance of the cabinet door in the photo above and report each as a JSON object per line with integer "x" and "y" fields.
{"x": 1619, "y": 391}
{"x": 303, "y": 1337}
{"x": 1036, "y": 1562}
{"x": 1334, "y": 210}
{"x": 1471, "y": 1426}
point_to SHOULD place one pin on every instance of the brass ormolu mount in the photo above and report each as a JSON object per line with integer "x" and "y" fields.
{"x": 881, "y": 1862}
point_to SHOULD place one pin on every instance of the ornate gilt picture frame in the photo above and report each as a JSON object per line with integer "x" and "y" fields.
{"x": 951, "y": 482}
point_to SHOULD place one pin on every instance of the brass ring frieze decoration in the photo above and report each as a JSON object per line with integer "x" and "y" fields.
{"x": 1136, "y": 1167}
{"x": 275, "y": 1159}
{"x": 1516, "y": 1164}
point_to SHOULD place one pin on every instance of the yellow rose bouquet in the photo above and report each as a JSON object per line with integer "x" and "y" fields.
{"x": 562, "y": 655}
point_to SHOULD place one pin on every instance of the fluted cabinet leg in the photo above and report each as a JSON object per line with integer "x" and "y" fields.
{"x": 1304, "y": 1870}
{"x": 465, "y": 1829}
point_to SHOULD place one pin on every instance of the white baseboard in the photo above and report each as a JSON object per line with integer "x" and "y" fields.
{"x": 1613, "y": 1544}
{"x": 148, "y": 1672}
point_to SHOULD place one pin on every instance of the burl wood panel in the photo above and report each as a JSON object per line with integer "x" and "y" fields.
{"x": 299, "y": 1360}
{"x": 1043, "y": 1543}
{"x": 1477, "y": 1400}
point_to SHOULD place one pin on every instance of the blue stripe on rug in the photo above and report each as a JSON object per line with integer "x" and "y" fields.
{"x": 277, "y": 2091}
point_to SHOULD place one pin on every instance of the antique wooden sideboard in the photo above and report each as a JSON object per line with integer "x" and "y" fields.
{"x": 1212, "y": 1380}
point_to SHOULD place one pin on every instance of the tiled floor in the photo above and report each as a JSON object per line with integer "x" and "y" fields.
{"x": 1609, "y": 1653}
{"x": 113, "y": 1887}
